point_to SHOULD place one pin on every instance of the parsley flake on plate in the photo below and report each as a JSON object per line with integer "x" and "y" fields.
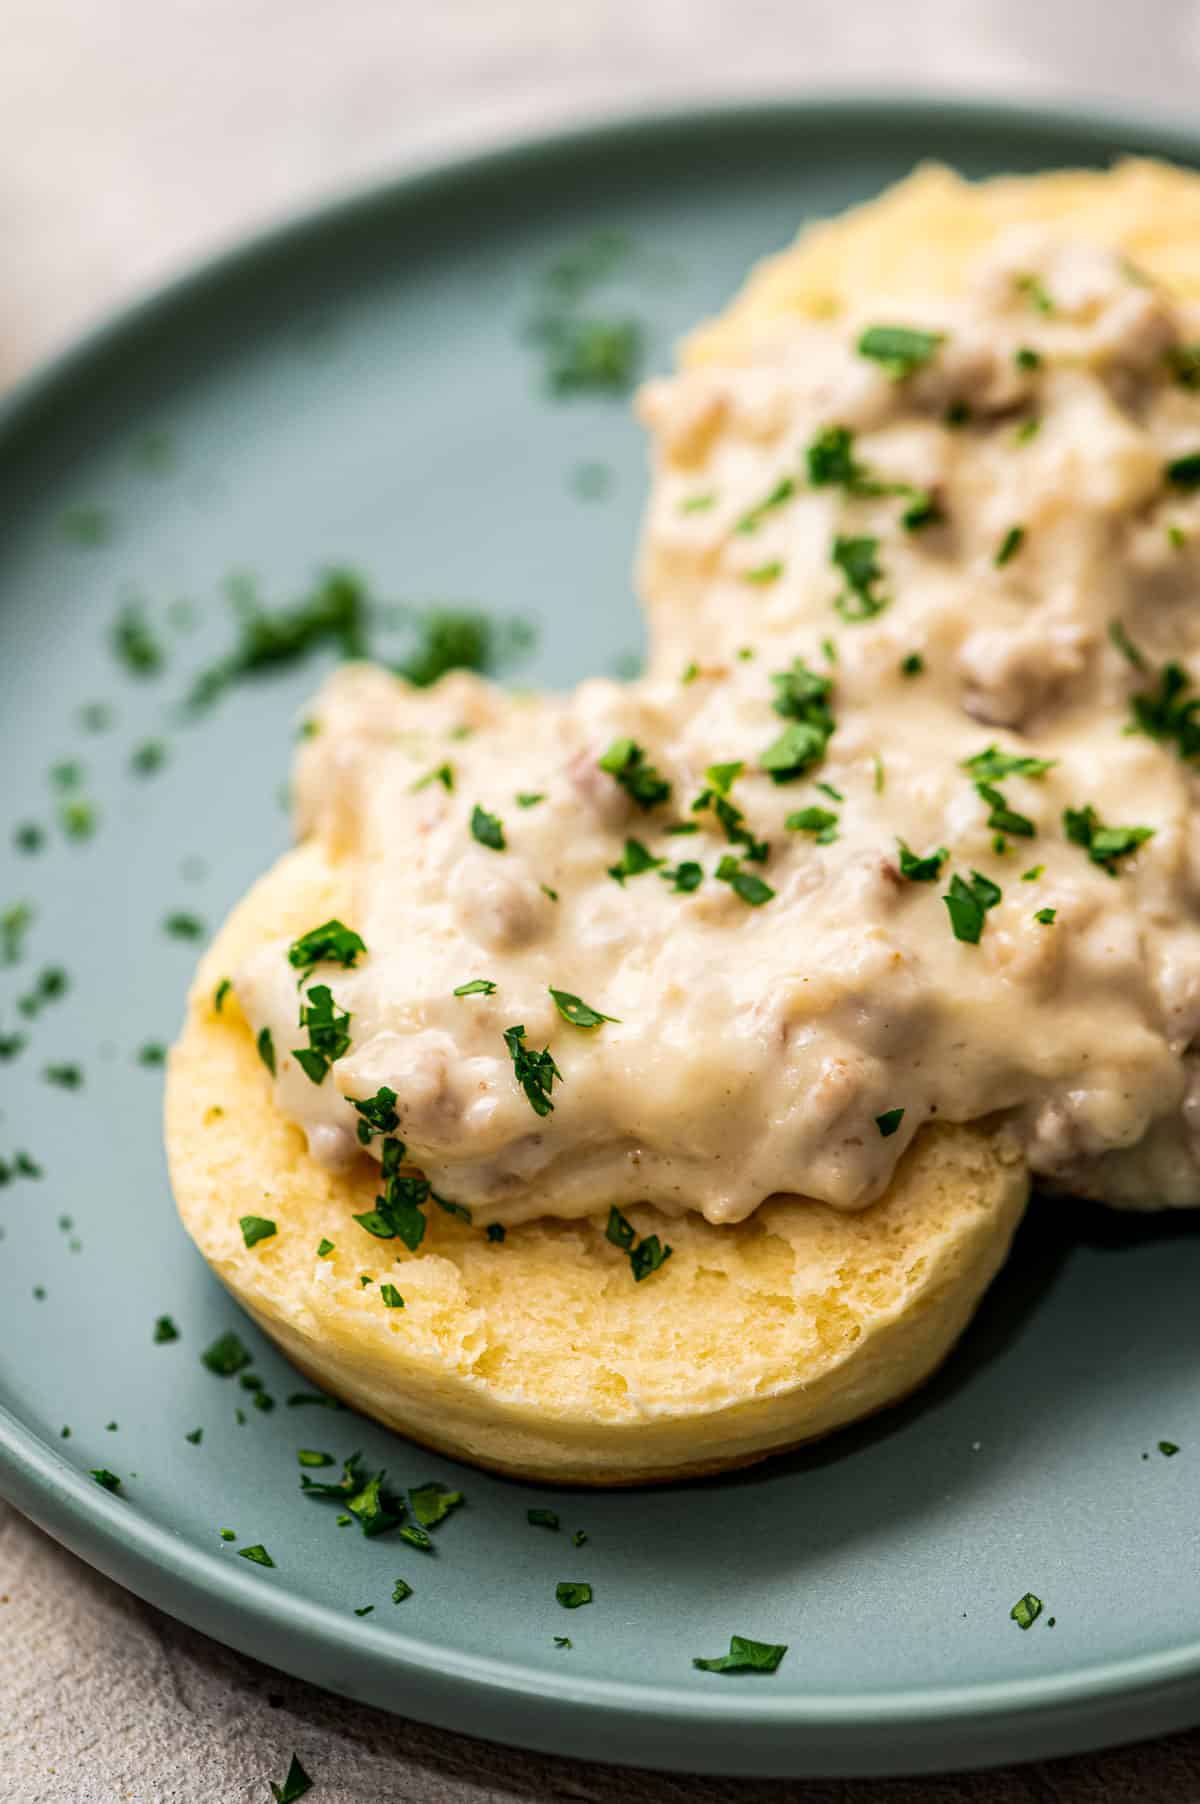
{"x": 745, "y": 1656}
{"x": 626, "y": 762}
{"x": 900, "y": 350}
{"x": 183, "y": 926}
{"x": 432, "y": 1503}
{"x": 165, "y": 1331}
{"x": 226, "y": 1356}
{"x": 417, "y": 1537}
{"x": 1026, "y": 1610}
{"x": 134, "y": 643}
{"x": 542, "y": 1518}
{"x": 64, "y": 1076}
{"x": 535, "y": 1072}
{"x": 312, "y": 1456}
{"x": 487, "y": 829}
{"x": 401, "y": 1590}
{"x": 577, "y": 1012}
{"x": 108, "y": 1481}
{"x": 572, "y": 1593}
{"x": 1168, "y": 1449}
{"x": 478, "y": 986}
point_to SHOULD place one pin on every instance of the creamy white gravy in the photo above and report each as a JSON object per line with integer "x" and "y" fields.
{"x": 765, "y": 1048}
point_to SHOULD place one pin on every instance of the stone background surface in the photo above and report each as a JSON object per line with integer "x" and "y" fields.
{"x": 137, "y": 135}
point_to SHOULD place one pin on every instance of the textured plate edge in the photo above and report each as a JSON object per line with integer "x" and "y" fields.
{"x": 921, "y": 1730}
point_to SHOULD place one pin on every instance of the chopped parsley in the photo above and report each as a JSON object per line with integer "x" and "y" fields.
{"x": 745, "y": 1656}
{"x": 108, "y": 1481}
{"x": 478, "y": 986}
{"x": 968, "y": 903}
{"x": 626, "y": 762}
{"x": 401, "y": 1590}
{"x": 924, "y": 509}
{"x": 377, "y": 1114}
{"x": 1034, "y": 290}
{"x": 324, "y": 1246}
{"x": 65, "y": 1076}
{"x": 535, "y": 1072}
{"x": 256, "y": 1554}
{"x": 563, "y": 1641}
{"x": 152, "y": 1054}
{"x": 783, "y": 491}
{"x": 226, "y": 1356}
{"x": 15, "y": 922}
{"x": 183, "y": 926}
{"x": 255, "y": 1228}
{"x": 328, "y": 1033}
{"x": 912, "y": 665}
{"x": 542, "y": 1518}
{"x": 148, "y": 757}
{"x": 578, "y": 1012}
{"x": 802, "y": 697}
{"x": 993, "y": 763}
{"x": 645, "y": 1256}
{"x": 1105, "y": 846}
{"x": 443, "y": 774}
{"x": 334, "y": 613}
{"x": 900, "y": 349}
{"x": 635, "y": 858}
{"x": 529, "y": 798}
{"x": 589, "y": 354}
{"x": 294, "y": 1786}
{"x": 1184, "y": 471}
{"x": 331, "y": 943}
{"x": 1009, "y": 546}
{"x": 1027, "y": 429}
{"x": 77, "y": 818}
{"x": 821, "y": 822}
{"x": 572, "y": 1593}
{"x": 1169, "y": 713}
{"x": 1045, "y": 916}
{"x": 1033, "y": 873}
{"x": 165, "y": 1331}
{"x": 266, "y": 1049}
{"x": 924, "y": 869}
{"x": 1026, "y": 1610}
{"x": 311, "y": 1456}
{"x": 685, "y": 877}
{"x": 832, "y": 464}
{"x": 397, "y": 1213}
{"x": 391, "y": 1296}
{"x": 28, "y": 837}
{"x": 487, "y": 829}
{"x": 1003, "y": 818}
{"x": 764, "y": 574}
{"x": 1168, "y": 1449}
{"x": 1026, "y": 358}
{"x": 855, "y": 558}
{"x": 744, "y": 884}
{"x": 889, "y": 1122}
{"x": 134, "y": 643}
{"x": 496, "y": 1231}
{"x": 432, "y": 1503}
{"x": 697, "y": 504}
{"x": 219, "y": 994}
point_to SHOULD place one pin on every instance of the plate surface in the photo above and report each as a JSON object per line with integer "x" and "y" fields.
{"x": 359, "y": 388}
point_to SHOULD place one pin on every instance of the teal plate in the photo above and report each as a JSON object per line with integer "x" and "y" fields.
{"x": 360, "y": 388}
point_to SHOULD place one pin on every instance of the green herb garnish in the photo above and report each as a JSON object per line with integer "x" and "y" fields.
{"x": 888, "y": 1122}
{"x": 578, "y": 1012}
{"x": 331, "y": 943}
{"x": 401, "y": 1590}
{"x": 148, "y": 757}
{"x": 635, "y": 858}
{"x": 745, "y": 884}
{"x": 1105, "y": 846}
{"x": 764, "y": 574}
{"x": 328, "y": 1033}
{"x": 108, "y": 1481}
{"x": 1026, "y": 1610}
{"x": 645, "y": 1256}
{"x": 266, "y": 1049}
{"x": 1045, "y": 916}
{"x": 65, "y": 1076}
{"x": 542, "y": 1518}
{"x": 134, "y": 643}
{"x": 255, "y": 1228}
{"x": 821, "y": 822}
{"x": 968, "y": 903}
{"x": 1010, "y": 544}
{"x": 391, "y": 1296}
{"x": 165, "y": 1331}
{"x": 294, "y": 1786}
{"x": 1169, "y": 713}
{"x": 1003, "y": 818}
{"x": 256, "y": 1554}
{"x": 496, "y": 1231}
{"x": 783, "y": 491}
{"x": 855, "y": 558}
{"x": 432, "y": 1503}
{"x": 183, "y": 926}
{"x": 572, "y": 1593}
{"x": 993, "y": 763}
{"x": 745, "y": 1656}
{"x": 487, "y": 829}
{"x": 684, "y": 878}
{"x": 226, "y": 1356}
{"x": 924, "y": 869}
{"x": 900, "y": 349}
{"x": 912, "y": 665}
{"x": 377, "y": 1114}
{"x": 1184, "y": 471}
{"x": 626, "y": 762}
{"x": 1026, "y": 358}
{"x": 535, "y": 1072}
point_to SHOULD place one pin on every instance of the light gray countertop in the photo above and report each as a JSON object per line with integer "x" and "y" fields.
{"x": 136, "y": 136}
